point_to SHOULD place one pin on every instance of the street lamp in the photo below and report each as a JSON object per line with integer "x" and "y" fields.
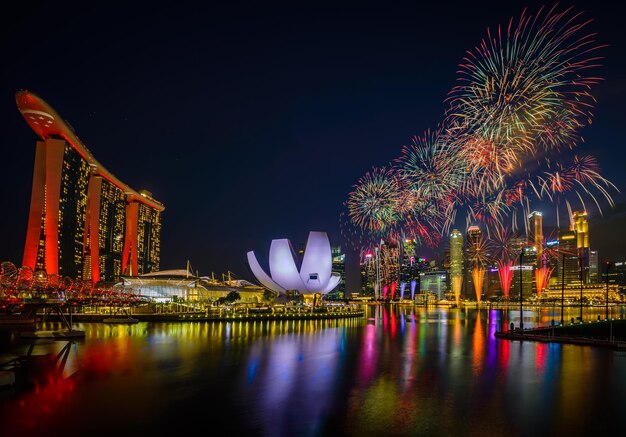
{"x": 608, "y": 266}
{"x": 521, "y": 309}
{"x": 580, "y": 259}
{"x": 377, "y": 268}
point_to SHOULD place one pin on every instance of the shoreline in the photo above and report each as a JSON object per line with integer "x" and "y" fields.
{"x": 186, "y": 317}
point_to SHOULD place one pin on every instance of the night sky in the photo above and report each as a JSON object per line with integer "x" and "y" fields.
{"x": 252, "y": 121}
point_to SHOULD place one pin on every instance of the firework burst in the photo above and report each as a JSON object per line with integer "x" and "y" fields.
{"x": 507, "y": 140}
{"x": 527, "y": 76}
{"x": 373, "y": 205}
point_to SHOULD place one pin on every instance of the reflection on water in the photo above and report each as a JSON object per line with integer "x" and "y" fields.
{"x": 399, "y": 370}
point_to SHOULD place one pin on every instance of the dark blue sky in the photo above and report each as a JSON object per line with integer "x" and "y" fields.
{"x": 252, "y": 121}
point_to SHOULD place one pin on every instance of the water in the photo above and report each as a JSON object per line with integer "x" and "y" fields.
{"x": 399, "y": 370}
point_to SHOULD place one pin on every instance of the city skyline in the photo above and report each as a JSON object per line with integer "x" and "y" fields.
{"x": 221, "y": 158}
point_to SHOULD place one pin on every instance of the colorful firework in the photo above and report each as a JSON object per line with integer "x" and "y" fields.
{"x": 501, "y": 242}
{"x": 373, "y": 205}
{"x": 542, "y": 275}
{"x": 523, "y": 95}
{"x": 479, "y": 249}
{"x": 505, "y": 273}
{"x": 428, "y": 170}
{"x": 531, "y": 74}
{"x": 506, "y": 142}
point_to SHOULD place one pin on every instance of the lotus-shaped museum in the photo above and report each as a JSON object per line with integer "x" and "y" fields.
{"x": 313, "y": 274}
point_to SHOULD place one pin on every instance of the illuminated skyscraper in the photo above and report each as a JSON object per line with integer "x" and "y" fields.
{"x": 456, "y": 253}
{"x": 368, "y": 273}
{"x": 568, "y": 259}
{"x": 594, "y": 268}
{"x": 408, "y": 261}
{"x": 581, "y": 228}
{"x": 339, "y": 266}
{"x": 83, "y": 222}
{"x": 456, "y": 262}
{"x": 536, "y": 235}
{"x": 474, "y": 236}
{"x": 476, "y": 267}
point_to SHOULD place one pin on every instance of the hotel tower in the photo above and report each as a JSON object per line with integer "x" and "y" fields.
{"x": 83, "y": 222}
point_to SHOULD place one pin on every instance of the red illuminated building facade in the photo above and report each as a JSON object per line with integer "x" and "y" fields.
{"x": 83, "y": 222}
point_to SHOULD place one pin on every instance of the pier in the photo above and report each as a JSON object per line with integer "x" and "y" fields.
{"x": 606, "y": 333}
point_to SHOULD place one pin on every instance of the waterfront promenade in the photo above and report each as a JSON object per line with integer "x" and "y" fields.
{"x": 188, "y": 313}
{"x": 208, "y": 316}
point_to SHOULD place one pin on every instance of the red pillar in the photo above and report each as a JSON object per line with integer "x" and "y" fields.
{"x": 130, "y": 239}
{"x": 37, "y": 199}
{"x": 55, "y": 150}
{"x": 45, "y": 197}
{"x": 92, "y": 225}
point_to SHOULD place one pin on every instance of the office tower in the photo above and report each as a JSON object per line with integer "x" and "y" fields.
{"x": 389, "y": 263}
{"x": 476, "y": 262}
{"x": 83, "y": 222}
{"x": 581, "y": 228}
{"x": 408, "y": 265}
{"x": 339, "y": 266}
{"x": 474, "y": 236}
{"x": 536, "y": 236}
{"x": 456, "y": 263}
{"x": 617, "y": 275}
{"x": 526, "y": 267}
{"x": 516, "y": 244}
{"x": 368, "y": 273}
{"x": 568, "y": 258}
{"x": 456, "y": 253}
{"x": 594, "y": 268}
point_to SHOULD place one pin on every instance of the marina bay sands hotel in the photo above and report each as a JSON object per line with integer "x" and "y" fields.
{"x": 84, "y": 222}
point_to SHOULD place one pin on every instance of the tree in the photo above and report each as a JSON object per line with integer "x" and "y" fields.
{"x": 232, "y": 296}
{"x": 268, "y": 296}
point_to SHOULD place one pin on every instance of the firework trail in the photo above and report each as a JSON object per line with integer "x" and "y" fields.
{"x": 505, "y": 273}
{"x": 478, "y": 277}
{"x": 542, "y": 276}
